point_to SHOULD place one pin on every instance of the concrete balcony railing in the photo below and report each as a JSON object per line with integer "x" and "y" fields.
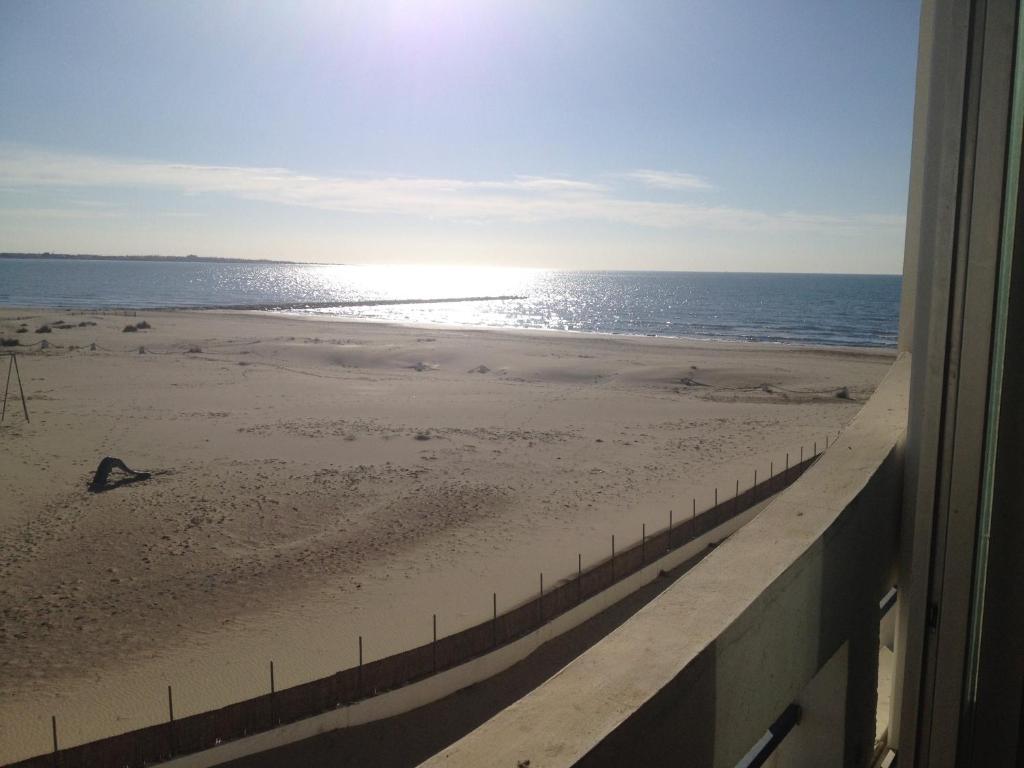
{"x": 784, "y": 612}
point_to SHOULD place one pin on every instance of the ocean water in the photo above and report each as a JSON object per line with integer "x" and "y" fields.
{"x": 854, "y": 310}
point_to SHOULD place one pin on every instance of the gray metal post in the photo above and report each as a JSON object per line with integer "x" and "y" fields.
{"x": 21, "y": 391}
{"x": 433, "y": 647}
{"x": 7, "y": 386}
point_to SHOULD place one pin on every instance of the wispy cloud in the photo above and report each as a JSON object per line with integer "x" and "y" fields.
{"x": 519, "y": 199}
{"x": 667, "y": 179}
{"x": 59, "y": 213}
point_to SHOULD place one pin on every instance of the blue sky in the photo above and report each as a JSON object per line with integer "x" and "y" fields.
{"x": 744, "y": 136}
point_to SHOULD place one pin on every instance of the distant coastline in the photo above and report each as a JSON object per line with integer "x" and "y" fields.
{"x": 191, "y": 258}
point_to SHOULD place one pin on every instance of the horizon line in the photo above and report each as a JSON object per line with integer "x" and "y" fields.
{"x": 193, "y": 258}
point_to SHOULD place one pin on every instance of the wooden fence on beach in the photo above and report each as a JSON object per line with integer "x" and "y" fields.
{"x": 204, "y": 730}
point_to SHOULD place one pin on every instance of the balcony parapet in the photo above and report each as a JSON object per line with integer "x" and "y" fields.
{"x": 784, "y": 611}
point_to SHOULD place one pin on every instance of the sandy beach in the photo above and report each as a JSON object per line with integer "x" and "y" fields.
{"x": 317, "y": 480}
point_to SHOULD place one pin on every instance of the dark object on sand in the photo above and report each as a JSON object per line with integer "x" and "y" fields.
{"x": 129, "y": 329}
{"x": 43, "y": 329}
{"x": 142, "y": 326}
{"x": 109, "y": 463}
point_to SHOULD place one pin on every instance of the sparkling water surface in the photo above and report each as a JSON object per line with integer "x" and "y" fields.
{"x": 855, "y": 310}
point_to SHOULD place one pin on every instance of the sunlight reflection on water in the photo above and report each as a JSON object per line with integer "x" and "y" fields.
{"x": 860, "y": 310}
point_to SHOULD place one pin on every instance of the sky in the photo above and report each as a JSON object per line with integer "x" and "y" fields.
{"x": 726, "y": 135}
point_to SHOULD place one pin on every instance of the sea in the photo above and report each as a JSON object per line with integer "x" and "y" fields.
{"x": 805, "y": 309}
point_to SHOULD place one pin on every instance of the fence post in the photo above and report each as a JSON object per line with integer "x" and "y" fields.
{"x": 53, "y": 722}
{"x": 433, "y": 647}
{"x": 271, "y": 692}
{"x": 771, "y": 477}
{"x": 643, "y": 543}
{"x": 613, "y": 558}
{"x": 170, "y": 713}
{"x": 716, "y": 496}
{"x": 785, "y": 477}
{"x": 801, "y": 454}
{"x": 359, "y": 673}
{"x": 694, "y": 509}
{"x": 736, "y": 499}
{"x": 815, "y": 448}
{"x": 669, "y": 547}
{"x": 494, "y": 620}
{"x": 579, "y": 578}
{"x": 540, "y": 602}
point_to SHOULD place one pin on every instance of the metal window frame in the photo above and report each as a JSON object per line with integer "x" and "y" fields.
{"x": 955, "y": 232}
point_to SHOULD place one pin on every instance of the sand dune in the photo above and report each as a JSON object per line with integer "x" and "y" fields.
{"x": 319, "y": 480}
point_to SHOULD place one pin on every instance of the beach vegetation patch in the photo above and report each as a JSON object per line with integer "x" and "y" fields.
{"x": 129, "y": 329}
{"x": 43, "y": 329}
{"x": 4, "y": 342}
